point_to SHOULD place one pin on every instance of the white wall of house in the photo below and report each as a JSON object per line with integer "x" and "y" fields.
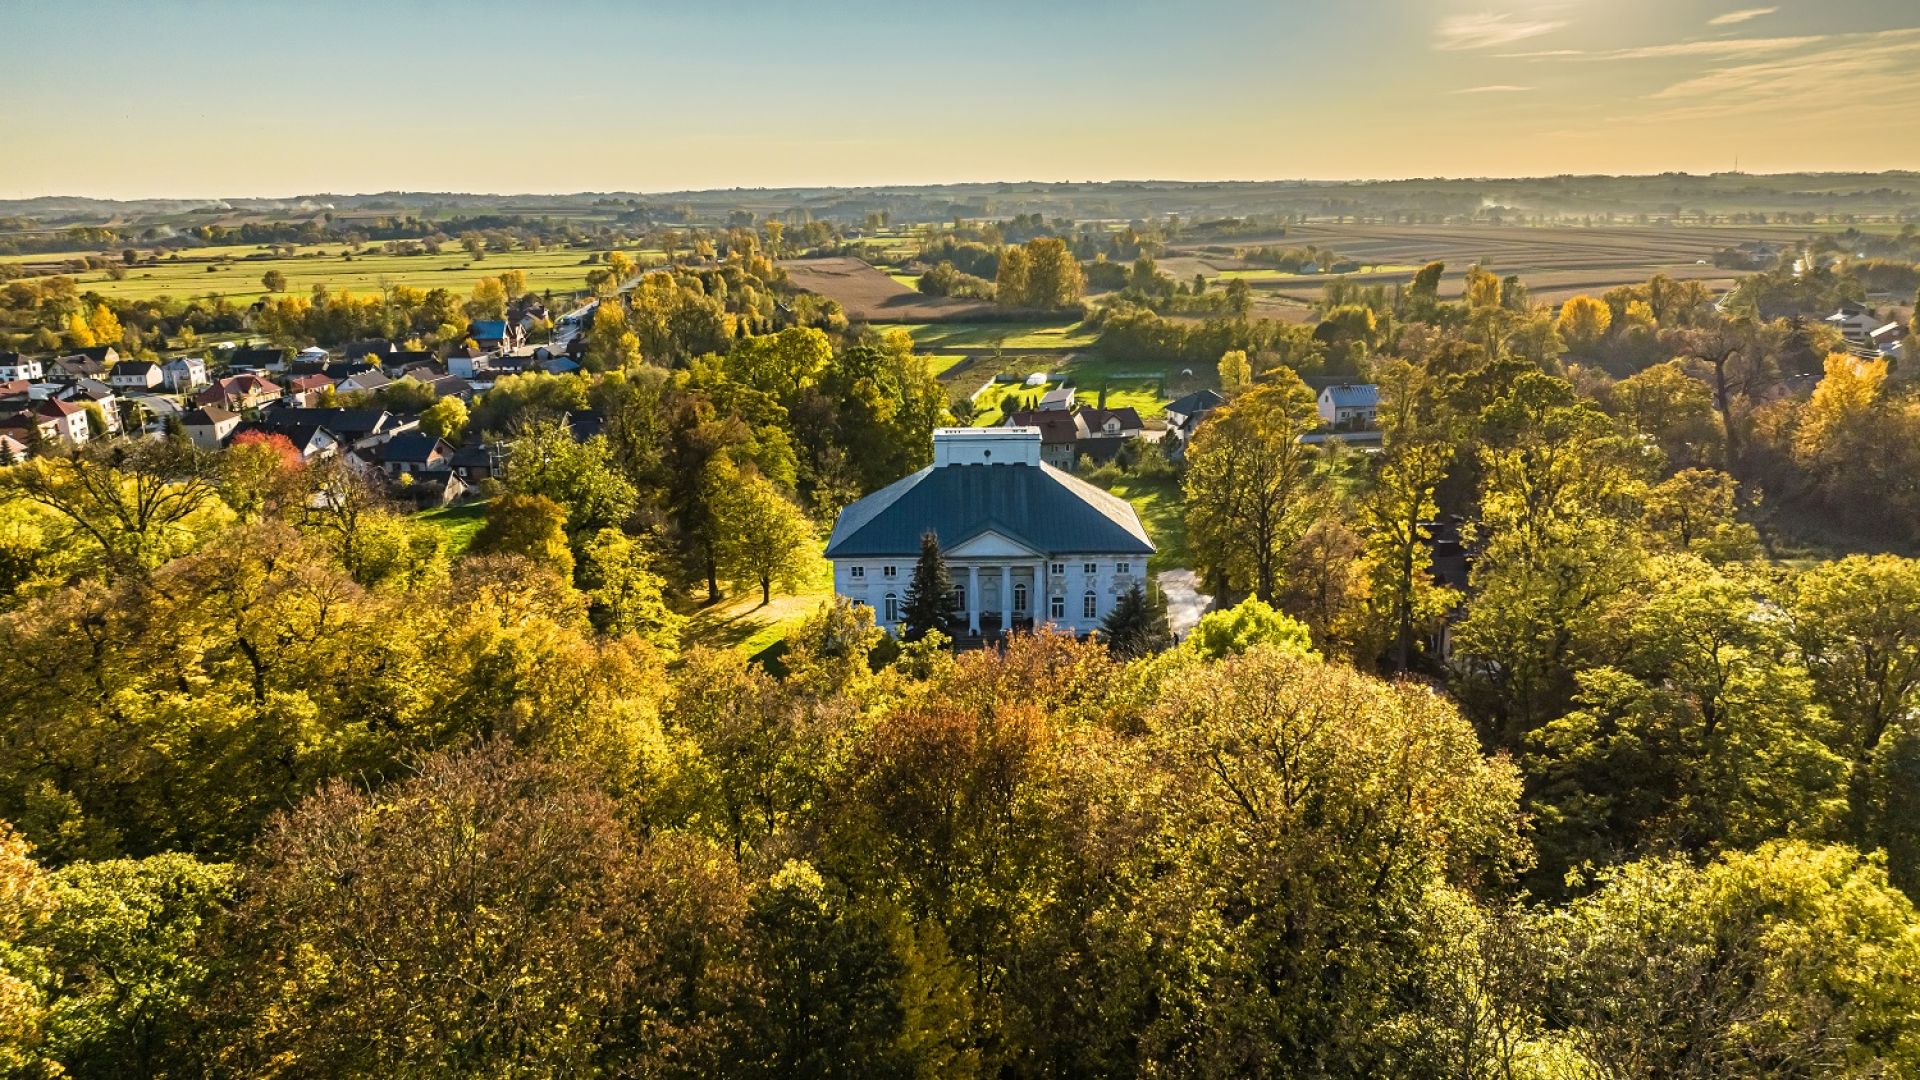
{"x": 1070, "y": 579}
{"x": 25, "y": 368}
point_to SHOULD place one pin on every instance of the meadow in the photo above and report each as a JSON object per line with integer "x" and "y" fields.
{"x": 234, "y": 273}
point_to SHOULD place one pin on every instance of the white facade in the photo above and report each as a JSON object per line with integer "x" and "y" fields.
{"x": 1000, "y": 584}
{"x": 22, "y": 367}
{"x": 1000, "y": 581}
{"x": 184, "y": 374}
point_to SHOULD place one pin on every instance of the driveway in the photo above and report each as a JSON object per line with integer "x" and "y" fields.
{"x": 1185, "y": 602}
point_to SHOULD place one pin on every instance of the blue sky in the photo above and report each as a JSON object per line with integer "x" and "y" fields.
{"x": 210, "y": 97}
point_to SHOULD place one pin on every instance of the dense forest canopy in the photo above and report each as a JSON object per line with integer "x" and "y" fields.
{"x": 1570, "y": 730}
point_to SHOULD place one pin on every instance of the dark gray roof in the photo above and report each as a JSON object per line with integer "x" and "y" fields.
{"x": 412, "y": 446}
{"x": 1197, "y": 402}
{"x": 1352, "y": 395}
{"x": 1036, "y": 505}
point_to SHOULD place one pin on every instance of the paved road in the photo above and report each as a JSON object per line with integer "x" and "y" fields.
{"x": 1185, "y": 602}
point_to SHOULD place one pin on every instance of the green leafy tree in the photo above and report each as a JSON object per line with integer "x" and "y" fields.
{"x": 1246, "y": 625}
{"x": 543, "y": 458}
{"x": 1784, "y": 961}
{"x": 532, "y": 526}
{"x": 26, "y": 903}
{"x": 1315, "y": 801}
{"x": 763, "y": 536}
{"x": 273, "y": 281}
{"x": 624, "y": 594}
{"x": 1705, "y": 737}
{"x": 1247, "y": 477}
{"x": 1236, "y": 374}
{"x": 929, "y": 603}
{"x": 611, "y": 346}
{"x": 129, "y": 945}
{"x": 446, "y": 418}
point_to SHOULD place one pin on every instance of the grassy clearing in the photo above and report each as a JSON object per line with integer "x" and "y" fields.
{"x": 231, "y": 273}
{"x": 741, "y": 623}
{"x": 458, "y": 522}
{"x": 1164, "y": 515}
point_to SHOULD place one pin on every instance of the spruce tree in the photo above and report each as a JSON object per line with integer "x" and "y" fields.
{"x": 930, "y": 604}
{"x": 1136, "y": 626}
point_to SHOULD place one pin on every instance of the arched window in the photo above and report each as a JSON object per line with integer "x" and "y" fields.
{"x": 1020, "y": 597}
{"x": 1089, "y": 605}
{"x": 893, "y": 609}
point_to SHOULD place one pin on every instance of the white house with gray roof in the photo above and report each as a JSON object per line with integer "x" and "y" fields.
{"x": 1026, "y": 544}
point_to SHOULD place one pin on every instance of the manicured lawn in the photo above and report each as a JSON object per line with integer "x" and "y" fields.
{"x": 1164, "y": 514}
{"x": 458, "y": 522}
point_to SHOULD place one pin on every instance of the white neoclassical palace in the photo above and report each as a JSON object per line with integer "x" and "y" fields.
{"x": 1025, "y": 543}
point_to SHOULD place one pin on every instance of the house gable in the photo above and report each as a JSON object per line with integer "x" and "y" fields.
{"x": 992, "y": 544}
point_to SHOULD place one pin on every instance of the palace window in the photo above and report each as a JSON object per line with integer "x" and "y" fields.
{"x": 856, "y": 572}
{"x": 960, "y": 597}
{"x": 1056, "y": 607}
{"x": 1020, "y": 597}
{"x": 1123, "y": 568}
{"x": 893, "y": 609}
{"x": 1059, "y": 568}
{"x": 1089, "y": 605}
{"x": 1090, "y": 569}
{"x": 887, "y": 571}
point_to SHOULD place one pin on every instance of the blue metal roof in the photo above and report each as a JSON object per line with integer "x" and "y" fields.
{"x": 1036, "y": 505}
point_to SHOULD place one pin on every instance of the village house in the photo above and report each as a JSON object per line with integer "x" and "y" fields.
{"x": 1060, "y": 434}
{"x": 209, "y": 426}
{"x": 12, "y": 449}
{"x": 494, "y": 334}
{"x": 468, "y": 363}
{"x": 306, "y": 391}
{"x": 95, "y": 392}
{"x": 1025, "y": 543}
{"x": 1350, "y": 406}
{"x": 238, "y": 393}
{"x": 26, "y": 427}
{"x": 14, "y": 366}
{"x": 261, "y": 358}
{"x": 1185, "y": 416}
{"x": 184, "y": 374}
{"x": 1854, "y": 321}
{"x": 134, "y": 375}
{"x": 414, "y": 453}
{"x": 70, "y": 420}
{"x": 311, "y": 441}
{"x": 75, "y": 367}
{"x": 370, "y": 380}
{"x": 1060, "y": 398}
{"x": 358, "y": 429}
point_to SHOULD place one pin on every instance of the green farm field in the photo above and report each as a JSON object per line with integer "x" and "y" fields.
{"x": 229, "y": 273}
{"x": 941, "y": 337}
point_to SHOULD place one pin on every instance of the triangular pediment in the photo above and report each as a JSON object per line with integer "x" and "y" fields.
{"x": 992, "y": 545}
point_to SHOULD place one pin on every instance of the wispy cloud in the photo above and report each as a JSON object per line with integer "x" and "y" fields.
{"x": 1809, "y": 83}
{"x": 1704, "y": 48}
{"x": 1489, "y": 29}
{"x": 1496, "y": 88}
{"x": 1732, "y": 17}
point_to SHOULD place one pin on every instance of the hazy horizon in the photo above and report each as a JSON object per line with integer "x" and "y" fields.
{"x": 223, "y": 100}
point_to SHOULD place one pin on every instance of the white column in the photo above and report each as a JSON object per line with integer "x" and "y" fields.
{"x": 973, "y": 600}
{"x": 1006, "y": 597}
